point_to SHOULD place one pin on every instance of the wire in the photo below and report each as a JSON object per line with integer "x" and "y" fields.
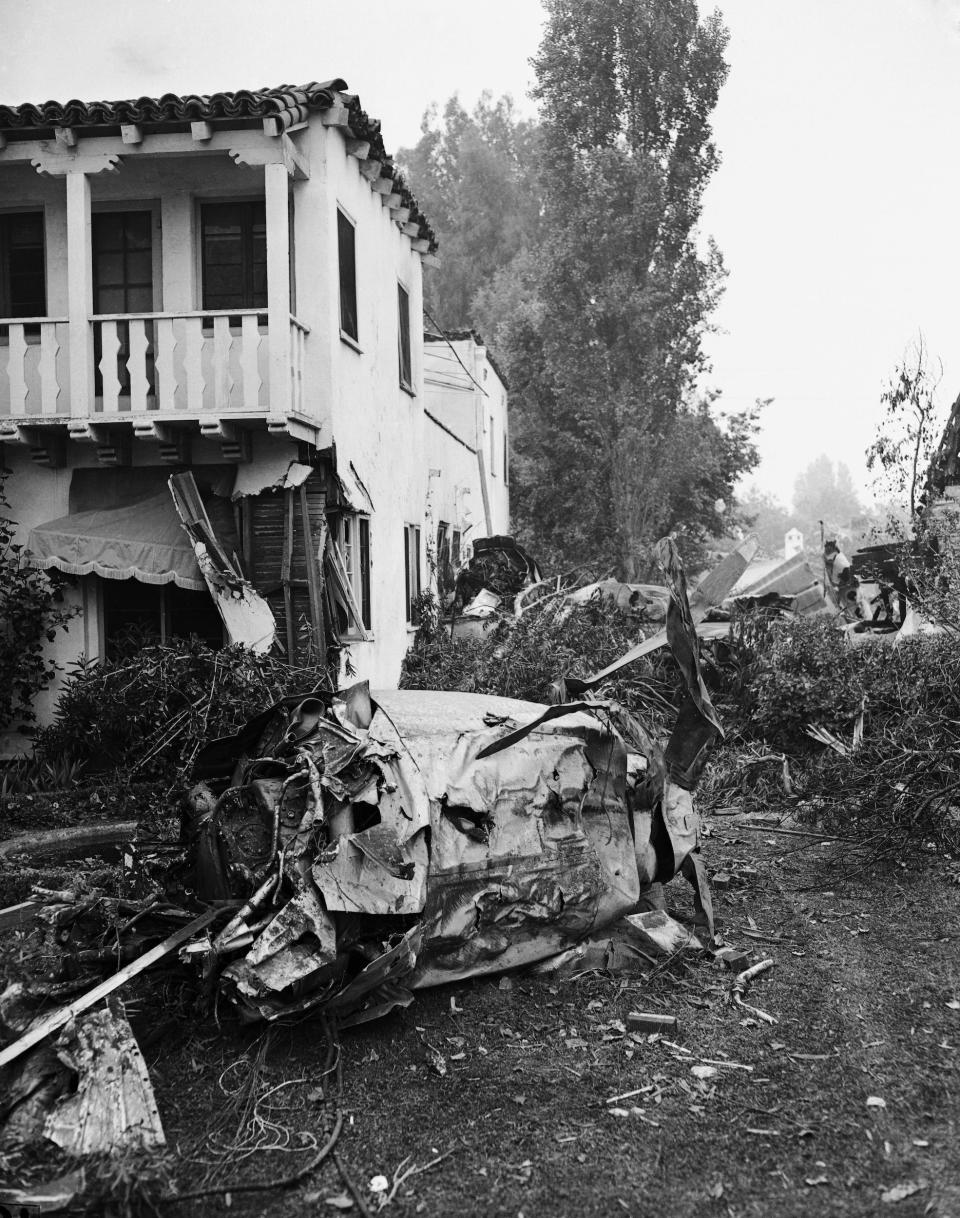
{"x": 443, "y": 335}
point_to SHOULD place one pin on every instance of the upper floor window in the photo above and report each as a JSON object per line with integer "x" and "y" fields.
{"x": 347, "y": 248}
{"x": 123, "y": 262}
{"x": 23, "y": 290}
{"x": 234, "y": 255}
{"x": 403, "y": 320}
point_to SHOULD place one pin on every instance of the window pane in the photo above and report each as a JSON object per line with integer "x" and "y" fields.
{"x": 403, "y": 309}
{"x": 234, "y": 254}
{"x": 22, "y": 273}
{"x": 365, "y": 571}
{"x": 346, "y": 240}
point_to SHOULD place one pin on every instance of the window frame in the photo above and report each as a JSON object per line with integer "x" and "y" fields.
{"x": 404, "y": 343}
{"x": 348, "y": 223}
{"x": 6, "y": 302}
{"x": 357, "y": 561}
{"x": 229, "y": 201}
{"x": 412, "y": 572}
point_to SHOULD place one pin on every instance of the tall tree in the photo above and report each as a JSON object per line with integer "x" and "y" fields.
{"x": 601, "y": 327}
{"x": 825, "y": 491}
{"x": 474, "y": 174}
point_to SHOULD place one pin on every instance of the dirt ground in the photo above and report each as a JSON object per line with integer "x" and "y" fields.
{"x": 501, "y": 1094}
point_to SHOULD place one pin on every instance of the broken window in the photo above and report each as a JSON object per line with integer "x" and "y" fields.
{"x": 346, "y": 242}
{"x": 411, "y": 571}
{"x": 23, "y": 290}
{"x": 156, "y": 614}
{"x": 403, "y": 313}
{"x": 353, "y": 538}
{"x": 234, "y": 255}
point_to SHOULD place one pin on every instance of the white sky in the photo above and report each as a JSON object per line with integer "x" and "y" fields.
{"x": 834, "y": 207}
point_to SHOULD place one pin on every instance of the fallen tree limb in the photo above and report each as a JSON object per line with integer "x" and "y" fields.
{"x": 59, "y": 1018}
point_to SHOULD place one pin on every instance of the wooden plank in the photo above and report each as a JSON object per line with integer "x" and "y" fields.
{"x": 193, "y": 364}
{"x": 137, "y": 364}
{"x": 58, "y": 1019}
{"x": 166, "y": 382}
{"x": 17, "y": 368}
{"x": 131, "y": 133}
{"x": 286, "y": 563}
{"x": 314, "y": 578}
{"x": 250, "y": 362}
{"x": 222, "y": 380}
{"x": 17, "y": 915}
{"x": 49, "y": 386}
{"x": 201, "y": 131}
{"x": 109, "y": 350}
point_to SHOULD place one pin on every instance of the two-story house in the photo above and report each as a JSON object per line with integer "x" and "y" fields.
{"x": 230, "y": 285}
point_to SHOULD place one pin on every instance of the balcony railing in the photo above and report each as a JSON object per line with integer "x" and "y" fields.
{"x": 174, "y": 364}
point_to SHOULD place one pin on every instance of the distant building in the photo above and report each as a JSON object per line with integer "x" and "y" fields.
{"x": 792, "y": 543}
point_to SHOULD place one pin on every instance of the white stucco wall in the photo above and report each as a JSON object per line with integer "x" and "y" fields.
{"x": 474, "y": 407}
{"x": 352, "y": 392}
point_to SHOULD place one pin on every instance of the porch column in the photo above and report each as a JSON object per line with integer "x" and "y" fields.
{"x": 276, "y": 179}
{"x": 79, "y": 292}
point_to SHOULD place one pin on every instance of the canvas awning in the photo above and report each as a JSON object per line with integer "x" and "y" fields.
{"x": 143, "y": 541}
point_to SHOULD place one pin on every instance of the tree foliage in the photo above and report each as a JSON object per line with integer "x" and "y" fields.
{"x": 909, "y": 428}
{"x": 475, "y": 175}
{"x": 31, "y": 612}
{"x": 825, "y": 491}
{"x": 596, "y": 298}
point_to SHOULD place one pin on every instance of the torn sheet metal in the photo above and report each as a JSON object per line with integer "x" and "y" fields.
{"x": 113, "y": 1107}
{"x": 246, "y": 615}
{"x": 393, "y": 854}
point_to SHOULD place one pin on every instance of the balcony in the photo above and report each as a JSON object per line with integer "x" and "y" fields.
{"x": 169, "y": 367}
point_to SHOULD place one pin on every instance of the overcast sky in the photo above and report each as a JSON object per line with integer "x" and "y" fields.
{"x": 835, "y": 206}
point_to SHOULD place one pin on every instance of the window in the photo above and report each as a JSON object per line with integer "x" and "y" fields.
{"x": 347, "y": 246}
{"x": 353, "y": 538}
{"x": 123, "y": 283}
{"x": 157, "y": 614}
{"x": 411, "y": 570}
{"x": 403, "y": 312}
{"x": 23, "y": 290}
{"x": 234, "y": 255}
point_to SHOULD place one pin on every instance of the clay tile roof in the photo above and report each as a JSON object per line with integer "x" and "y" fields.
{"x": 288, "y": 104}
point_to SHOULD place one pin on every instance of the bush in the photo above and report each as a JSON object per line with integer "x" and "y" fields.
{"x": 31, "y": 613}
{"x": 523, "y": 657}
{"x": 899, "y": 786}
{"x": 145, "y": 713}
{"x": 792, "y": 674}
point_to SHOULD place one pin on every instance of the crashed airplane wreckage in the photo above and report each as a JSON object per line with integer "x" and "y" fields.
{"x": 344, "y": 850}
{"x": 387, "y": 842}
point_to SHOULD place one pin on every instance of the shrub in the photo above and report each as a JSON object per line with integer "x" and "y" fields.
{"x": 789, "y": 674}
{"x": 523, "y": 657}
{"x": 31, "y": 613}
{"x": 145, "y": 713}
